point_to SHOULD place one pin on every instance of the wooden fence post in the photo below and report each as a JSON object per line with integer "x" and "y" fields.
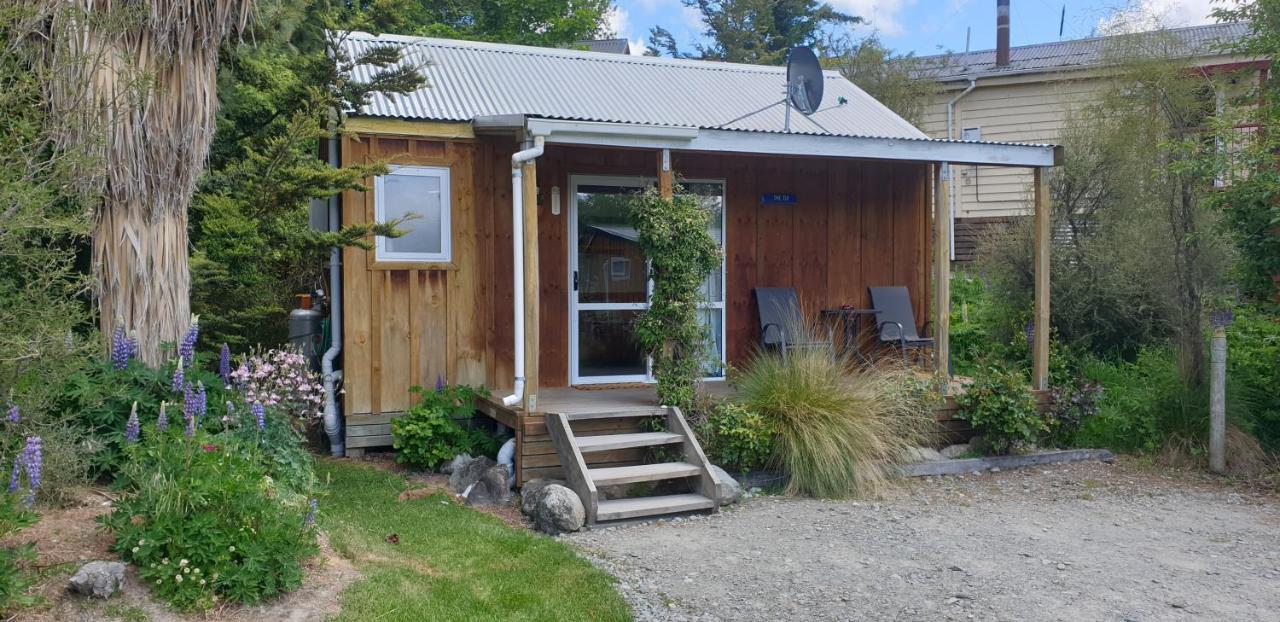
{"x": 1043, "y": 237}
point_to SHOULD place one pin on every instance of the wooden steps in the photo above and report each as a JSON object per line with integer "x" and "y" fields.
{"x": 678, "y": 438}
{"x": 612, "y": 476}
{"x": 619, "y": 509}
{"x": 611, "y": 442}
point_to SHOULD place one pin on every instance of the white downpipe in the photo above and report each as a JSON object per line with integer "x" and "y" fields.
{"x": 332, "y": 426}
{"x": 951, "y": 196}
{"x": 518, "y": 159}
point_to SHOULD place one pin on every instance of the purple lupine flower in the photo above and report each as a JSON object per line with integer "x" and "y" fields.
{"x": 224, "y": 365}
{"x": 439, "y": 384}
{"x": 14, "y": 415}
{"x": 187, "y": 347}
{"x": 190, "y": 429}
{"x": 260, "y": 414}
{"x": 29, "y": 462}
{"x": 190, "y": 401}
{"x": 179, "y": 378}
{"x": 120, "y": 349}
{"x": 1031, "y": 332}
{"x": 202, "y": 400}
{"x": 133, "y": 426}
{"x": 162, "y": 422}
{"x": 312, "y": 509}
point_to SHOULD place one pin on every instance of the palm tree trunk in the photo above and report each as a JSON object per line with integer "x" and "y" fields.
{"x": 142, "y": 86}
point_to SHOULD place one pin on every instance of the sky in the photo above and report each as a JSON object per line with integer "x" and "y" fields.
{"x": 933, "y": 26}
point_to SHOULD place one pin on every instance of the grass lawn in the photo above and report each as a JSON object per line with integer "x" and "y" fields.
{"x": 451, "y": 563}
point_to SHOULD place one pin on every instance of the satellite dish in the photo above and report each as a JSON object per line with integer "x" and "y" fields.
{"x": 804, "y": 80}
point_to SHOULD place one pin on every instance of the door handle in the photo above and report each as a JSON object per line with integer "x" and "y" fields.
{"x": 575, "y": 280}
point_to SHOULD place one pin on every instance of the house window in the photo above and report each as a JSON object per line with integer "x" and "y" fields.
{"x": 420, "y": 196}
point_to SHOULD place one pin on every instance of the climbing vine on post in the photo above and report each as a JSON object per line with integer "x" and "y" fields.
{"x": 674, "y": 236}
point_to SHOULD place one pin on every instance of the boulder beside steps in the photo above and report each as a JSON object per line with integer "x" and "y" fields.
{"x": 572, "y": 450}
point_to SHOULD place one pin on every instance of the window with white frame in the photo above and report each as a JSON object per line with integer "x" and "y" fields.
{"x": 420, "y": 196}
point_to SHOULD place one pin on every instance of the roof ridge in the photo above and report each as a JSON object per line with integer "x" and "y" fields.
{"x": 533, "y": 50}
{"x": 1221, "y": 25}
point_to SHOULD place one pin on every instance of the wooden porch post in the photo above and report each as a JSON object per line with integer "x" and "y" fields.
{"x": 942, "y": 274}
{"x": 666, "y": 177}
{"x": 531, "y": 299}
{"x": 1043, "y": 236}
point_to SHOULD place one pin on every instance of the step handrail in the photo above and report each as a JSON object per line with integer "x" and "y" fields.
{"x": 575, "y": 467}
{"x": 693, "y": 454}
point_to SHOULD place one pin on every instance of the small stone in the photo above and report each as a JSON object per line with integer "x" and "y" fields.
{"x": 1062, "y": 566}
{"x": 98, "y": 578}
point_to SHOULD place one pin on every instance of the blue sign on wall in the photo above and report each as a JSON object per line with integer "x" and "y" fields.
{"x": 778, "y": 198}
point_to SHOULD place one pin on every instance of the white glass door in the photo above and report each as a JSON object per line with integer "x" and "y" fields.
{"x": 609, "y": 285}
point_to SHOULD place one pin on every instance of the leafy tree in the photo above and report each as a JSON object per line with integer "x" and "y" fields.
{"x": 1251, "y": 202}
{"x": 897, "y": 81}
{"x": 548, "y": 23}
{"x": 753, "y": 31}
{"x": 254, "y": 248}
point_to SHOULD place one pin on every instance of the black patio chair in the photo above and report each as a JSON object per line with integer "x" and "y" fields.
{"x": 780, "y": 320}
{"x": 896, "y": 322}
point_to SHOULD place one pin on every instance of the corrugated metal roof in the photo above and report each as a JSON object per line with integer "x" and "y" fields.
{"x": 1069, "y": 55}
{"x": 608, "y": 46}
{"x": 468, "y": 79}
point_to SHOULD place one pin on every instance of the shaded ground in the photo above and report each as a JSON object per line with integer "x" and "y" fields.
{"x": 1072, "y": 542}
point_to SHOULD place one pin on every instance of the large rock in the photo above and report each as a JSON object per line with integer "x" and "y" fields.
{"x": 728, "y": 491}
{"x": 457, "y": 462}
{"x": 98, "y": 578}
{"x": 952, "y": 452}
{"x": 558, "y": 510}
{"x": 529, "y": 492}
{"x": 922, "y": 454}
{"x": 491, "y": 488}
{"x": 468, "y": 473}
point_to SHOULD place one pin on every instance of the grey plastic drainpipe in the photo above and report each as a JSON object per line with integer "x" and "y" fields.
{"x": 951, "y": 196}
{"x": 332, "y": 425}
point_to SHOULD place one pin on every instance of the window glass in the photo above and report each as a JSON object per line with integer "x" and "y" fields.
{"x": 420, "y": 195}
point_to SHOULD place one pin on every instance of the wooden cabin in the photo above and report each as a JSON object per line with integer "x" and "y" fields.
{"x": 847, "y": 199}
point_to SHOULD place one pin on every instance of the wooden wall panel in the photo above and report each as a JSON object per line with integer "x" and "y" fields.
{"x": 809, "y": 235}
{"x": 356, "y": 305}
{"x": 855, "y": 224}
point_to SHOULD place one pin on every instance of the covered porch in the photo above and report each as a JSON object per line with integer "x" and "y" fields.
{"x": 857, "y": 213}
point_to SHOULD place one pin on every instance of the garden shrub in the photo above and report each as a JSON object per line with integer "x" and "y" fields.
{"x": 430, "y": 434}
{"x": 1000, "y": 406}
{"x": 202, "y": 521}
{"x": 736, "y": 438}
{"x": 281, "y": 379}
{"x": 101, "y": 395}
{"x": 1253, "y": 365}
{"x": 840, "y": 426}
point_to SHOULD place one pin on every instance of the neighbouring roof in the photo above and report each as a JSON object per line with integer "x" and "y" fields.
{"x": 1069, "y": 55}
{"x": 607, "y": 46}
{"x": 468, "y": 79}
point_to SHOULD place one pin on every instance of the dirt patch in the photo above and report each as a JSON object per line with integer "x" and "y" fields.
{"x": 1069, "y": 542}
{"x": 426, "y": 484}
{"x": 66, "y": 538}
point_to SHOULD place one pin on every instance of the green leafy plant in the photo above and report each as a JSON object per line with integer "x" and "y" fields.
{"x": 15, "y": 575}
{"x": 430, "y": 434}
{"x": 841, "y": 426}
{"x": 1001, "y": 407}
{"x": 675, "y": 238}
{"x": 737, "y": 438}
{"x": 203, "y": 523}
{"x": 100, "y": 396}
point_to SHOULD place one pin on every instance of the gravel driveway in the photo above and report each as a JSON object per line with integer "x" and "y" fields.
{"x": 1073, "y": 542}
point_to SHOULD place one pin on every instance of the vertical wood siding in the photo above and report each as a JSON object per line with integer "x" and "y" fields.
{"x": 855, "y": 224}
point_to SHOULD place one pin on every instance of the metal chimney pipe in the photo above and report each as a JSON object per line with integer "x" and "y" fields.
{"x": 1002, "y": 33}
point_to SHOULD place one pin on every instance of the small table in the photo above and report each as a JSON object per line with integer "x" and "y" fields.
{"x": 850, "y": 322}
